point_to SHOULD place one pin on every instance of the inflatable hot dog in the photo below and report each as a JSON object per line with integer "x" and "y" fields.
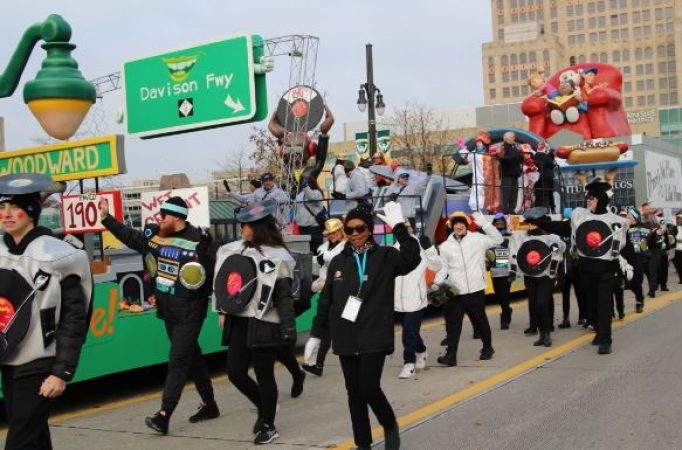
{"x": 594, "y": 151}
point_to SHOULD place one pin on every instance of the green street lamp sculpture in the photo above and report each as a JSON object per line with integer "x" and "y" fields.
{"x": 59, "y": 97}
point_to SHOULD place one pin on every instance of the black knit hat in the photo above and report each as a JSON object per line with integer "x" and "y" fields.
{"x": 175, "y": 206}
{"x": 362, "y": 212}
{"x": 31, "y": 203}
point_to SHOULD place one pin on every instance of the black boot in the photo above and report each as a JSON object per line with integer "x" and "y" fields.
{"x": 444, "y": 342}
{"x": 565, "y": 323}
{"x": 392, "y": 438}
{"x": 476, "y": 335}
{"x": 530, "y": 331}
{"x": 158, "y": 422}
{"x": 595, "y": 340}
{"x": 297, "y": 386}
{"x": 487, "y": 353}
{"x": 639, "y": 307}
{"x": 541, "y": 340}
{"x": 315, "y": 369}
{"x": 205, "y": 412}
{"x": 504, "y": 325}
{"x": 604, "y": 349}
{"x": 448, "y": 359}
{"x": 547, "y": 340}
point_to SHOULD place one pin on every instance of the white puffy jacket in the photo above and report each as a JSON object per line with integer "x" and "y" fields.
{"x": 463, "y": 261}
{"x": 410, "y": 290}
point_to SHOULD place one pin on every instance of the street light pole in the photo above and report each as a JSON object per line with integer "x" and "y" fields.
{"x": 371, "y": 112}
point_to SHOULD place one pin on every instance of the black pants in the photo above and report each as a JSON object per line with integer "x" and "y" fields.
{"x": 362, "y": 374}
{"x": 544, "y": 194}
{"x": 663, "y": 271}
{"x": 572, "y": 278}
{"x": 185, "y": 361}
{"x": 412, "y": 340}
{"x": 502, "y": 287}
{"x": 598, "y": 286}
{"x": 263, "y": 393}
{"x": 635, "y": 285}
{"x": 540, "y": 297}
{"x": 677, "y": 261}
{"x": 618, "y": 296}
{"x": 315, "y": 234}
{"x": 27, "y": 412}
{"x": 653, "y": 266}
{"x": 510, "y": 186}
{"x": 285, "y": 355}
{"x": 474, "y": 306}
{"x": 325, "y": 344}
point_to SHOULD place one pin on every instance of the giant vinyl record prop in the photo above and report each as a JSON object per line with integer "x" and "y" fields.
{"x": 13, "y": 291}
{"x": 300, "y": 109}
{"x": 533, "y": 257}
{"x": 235, "y": 283}
{"x": 589, "y": 238}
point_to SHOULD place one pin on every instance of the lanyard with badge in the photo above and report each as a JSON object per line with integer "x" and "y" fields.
{"x": 354, "y": 302}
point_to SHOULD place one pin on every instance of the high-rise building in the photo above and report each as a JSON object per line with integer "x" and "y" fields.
{"x": 643, "y": 38}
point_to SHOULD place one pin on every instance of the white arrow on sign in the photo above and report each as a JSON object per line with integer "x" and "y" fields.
{"x": 234, "y": 106}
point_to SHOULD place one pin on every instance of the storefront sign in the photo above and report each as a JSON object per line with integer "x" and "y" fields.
{"x": 196, "y": 199}
{"x": 645, "y": 116}
{"x": 663, "y": 175}
{"x": 76, "y": 160}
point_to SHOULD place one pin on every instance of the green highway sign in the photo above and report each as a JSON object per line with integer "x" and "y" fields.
{"x": 205, "y": 86}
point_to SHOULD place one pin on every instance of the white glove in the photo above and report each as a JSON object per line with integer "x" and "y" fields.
{"x": 626, "y": 268}
{"x": 434, "y": 287}
{"x": 265, "y": 64}
{"x": 479, "y": 219}
{"x": 393, "y": 214}
{"x": 317, "y": 285}
{"x": 312, "y": 347}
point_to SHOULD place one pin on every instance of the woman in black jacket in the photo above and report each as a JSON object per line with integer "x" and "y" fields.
{"x": 356, "y": 310}
{"x": 264, "y": 327}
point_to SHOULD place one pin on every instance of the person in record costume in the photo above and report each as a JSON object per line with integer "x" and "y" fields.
{"x": 45, "y": 292}
{"x": 539, "y": 269}
{"x": 356, "y": 310}
{"x": 179, "y": 257}
{"x": 254, "y": 297}
{"x": 599, "y": 236}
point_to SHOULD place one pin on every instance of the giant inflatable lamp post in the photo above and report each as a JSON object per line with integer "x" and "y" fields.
{"x": 59, "y": 97}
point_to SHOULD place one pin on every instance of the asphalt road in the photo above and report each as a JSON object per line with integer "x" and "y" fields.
{"x": 631, "y": 399}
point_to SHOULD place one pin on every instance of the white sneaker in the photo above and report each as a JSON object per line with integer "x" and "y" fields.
{"x": 408, "y": 371}
{"x": 421, "y": 360}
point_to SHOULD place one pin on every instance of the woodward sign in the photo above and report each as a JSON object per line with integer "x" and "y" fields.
{"x": 75, "y": 160}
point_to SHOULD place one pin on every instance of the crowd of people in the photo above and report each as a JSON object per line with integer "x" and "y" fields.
{"x": 357, "y": 278}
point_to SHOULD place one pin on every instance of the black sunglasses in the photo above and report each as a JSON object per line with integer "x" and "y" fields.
{"x": 357, "y": 229}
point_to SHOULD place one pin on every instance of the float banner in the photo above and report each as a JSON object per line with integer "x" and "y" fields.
{"x": 663, "y": 175}
{"x": 196, "y": 199}
{"x": 75, "y": 160}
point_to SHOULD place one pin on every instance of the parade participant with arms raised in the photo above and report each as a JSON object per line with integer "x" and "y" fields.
{"x": 179, "y": 257}
{"x": 45, "y": 291}
{"x": 356, "y": 310}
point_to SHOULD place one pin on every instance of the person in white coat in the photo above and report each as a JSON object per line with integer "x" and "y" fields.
{"x": 335, "y": 243}
{"x": 462, "y": 260}
{"x": 410, "y": 302}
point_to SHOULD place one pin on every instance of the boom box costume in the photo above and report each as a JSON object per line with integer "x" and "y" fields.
{"x": 598, "y": 239}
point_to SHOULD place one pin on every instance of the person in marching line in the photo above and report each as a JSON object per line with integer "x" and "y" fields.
{"x": 499, "y": 270}
{"x": 309, "y": 205}
{"x": 666, "y": 253}
{"x": 41, "y": 342}
{"x": 356, "y": 190}
{"x": 462, "y": 268}
{"x": 677, "y": 259}
{"x": 244, "y": 199}
{"x": 182, "y": 301}
{"x": 599, "y": 257}
{"x": 410, "y": 302}
{"x": 407, "y": 193}
{"x": 268, "y": 191}
{"x": 356, "y": 310}
{"x": 539, "y": 271}
{"x": 256, "y": 331}
{"x": 335, "y": 243}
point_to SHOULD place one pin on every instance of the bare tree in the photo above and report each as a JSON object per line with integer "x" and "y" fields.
{"x": 237, "y": 164}
{"x": 266, "y": 152}
{"x": 423, "y": 135}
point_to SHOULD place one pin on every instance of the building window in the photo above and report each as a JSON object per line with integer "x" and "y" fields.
{"x": 594, "y": 57}
{"x": 601, "y": 6}
{"x": 662, "y": 67}
{"x": 623, "y": 18}
{"x": 580, "y": 24}
{"x": 555, "y": 27}
{"x": 515, "y": 91}
{"x": 673, "y": 98}
{"x": 649, "y": 69}
{"x": 500, "y": 4}
{"x": 515, "y": 75}
{"x": 531, "y": 57}
{"x": 513, "y": 60}
{"x": 601, "y": 21}
{"x": 640, "y": 85}
{"x": 505, "y": 92}
{"x": 671, "y": 50}
{"x": 505, "y": 60}
{"x": 500, "y": 34}
{"x": 522, "y": 58}
{"x": 660, "y": 51}
{"x": 571, "y": 39}
{"x": 624, "y": 33}
{"x": 646, "y": 16}
{"x": 616, "y": 56}
{"x": 552, "y": 12}
{"x": 592, "y": 22}
{"x": 614, "y": 20}
{"x": 627, "y": 86}
{"x": 603, "y": 57}
{"x": 648, "y": 53}
{"x": 491, "y": 61}
{"x": 545, "y": 55}
{"x": 593, "y": 37}
{"x": 668, "y": 12}
{"x": 639, "y": 69}
{"x": 646, "y": 30}
{"x": 591, "y": 8}
{"x": 672, "y": 67}
{"x": 613, "y": 4}
{"x": 581, "y": 39}
{"x": 505, "y": 77}
{"x": 491, "y": 78}
{"x": 581, "y": 59}
{"x": 626, "y": 55}
{"x": 569, "y": 10}
{"x": 602, "y": 36}
{"x": 628, "y": 102}
{"x": 635, "y": 3}
{"x": 638, "y": 54}
{"x": 663, "y": 98}
{"x": 641, "y": 100}
{"x": 492, "y": 93}
{"x": 636, "y": 18}
{"x": 660, "y": 28}
{"x": 579, "y": 10}
{"x": 523, "y": 75}
{"x": 672, "y": 82}
{"x": 626, "y": 70}
{"x": 663, "y": 83}
{"x": 650, "y": 100}
{"x": 669, "y": 28}
{"x": 570, "y": 25}
{"x": 650, "y": 84}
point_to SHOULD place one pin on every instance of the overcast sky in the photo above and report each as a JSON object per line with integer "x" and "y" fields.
{"x": 429, "y": 51}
